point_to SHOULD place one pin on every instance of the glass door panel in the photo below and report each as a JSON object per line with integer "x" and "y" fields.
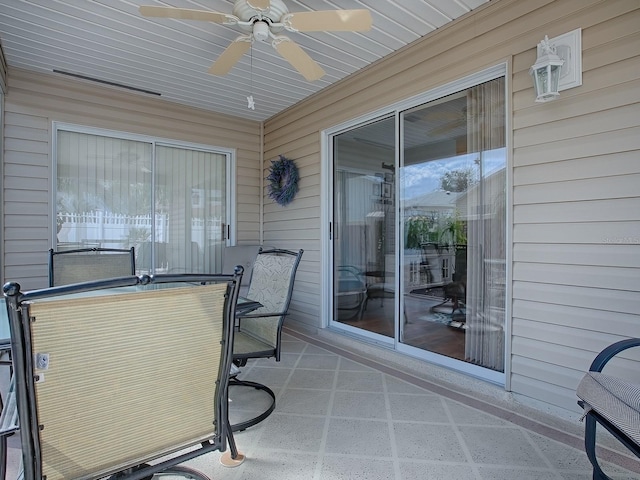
{"x": 452, "y": 193}
{"x": 364, "y": 246}
{"x": 190, "y": 193}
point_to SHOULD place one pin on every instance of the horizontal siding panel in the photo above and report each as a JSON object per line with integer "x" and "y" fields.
{"x": 28, "y": 184}
{"x": 26, "y": 209}
{"x": 596, "y": 321}
{"x": 29, "y": 278}
{"x": 21, "y": 259}
{"x": 572, "y": 363}
{"x": 21, "y": 246}
{"x": 607, "y": 84}
{"x": 542, "y": 371}
{"x": 607, "y": 102}
{"x": 577, "y": 346}
{"x": 622, "y": 233}
{"x": 26, "y": 233}
{"x": 543, "y": 391}
{"x": 597, "y": 144}
{"x": 26, "y": 158}
{"x": 245, "y": 195}
{"x": 23, "y": 120}
{"x": 300, "y": 204}
{"x": 611, "y": 255}
{"x": 578, "y": 275}
{"x": 25, "y": 196}
{"x": 622, "y": 301}
{"x": 292, "y": 226}
{"x": 22, "y": 221}
{"x": 618, "y": 48}
{"x": 617, "y": 210}
{"x": 21, "y": 170}
{"x": 300, "y": 235}
{"x": 29, "y": 146}
{"x": 621, "y": 163}
{"x": 551, "y": 353}
{"x": 33, "y": 134}
{"x": 623, "y": 186}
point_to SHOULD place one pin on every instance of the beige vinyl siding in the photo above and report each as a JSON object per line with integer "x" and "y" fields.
{"x": 35, "y": 100}
{"x": 575, "y": 222}
{"x": 576, "y": 210}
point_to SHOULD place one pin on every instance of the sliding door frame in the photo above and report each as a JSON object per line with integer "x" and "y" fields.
{"x": 228, "y": 153}
{"x": 326, "y": 213}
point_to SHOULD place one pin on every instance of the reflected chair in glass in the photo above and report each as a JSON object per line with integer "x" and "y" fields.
{"x": 259, "y": 333}
{"x": 89, "y": 264}
{"x": 107, "y": 401}
{"x": 351, "y": 292}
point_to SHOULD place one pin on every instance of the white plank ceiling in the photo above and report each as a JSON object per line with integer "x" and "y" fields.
{"x": 110, "y": 41}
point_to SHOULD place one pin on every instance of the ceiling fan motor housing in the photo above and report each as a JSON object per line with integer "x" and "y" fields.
{"x": 247, "y": 13}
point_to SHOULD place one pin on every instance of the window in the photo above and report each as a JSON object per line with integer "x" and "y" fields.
{"x": 168, "y": 200}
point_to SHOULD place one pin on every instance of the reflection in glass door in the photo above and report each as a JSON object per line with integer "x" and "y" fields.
{"x": 453, "y": 225}
{"x": 364, "y": 247}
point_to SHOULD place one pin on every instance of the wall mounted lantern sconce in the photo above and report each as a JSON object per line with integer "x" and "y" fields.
{"x": 558, "y": 66}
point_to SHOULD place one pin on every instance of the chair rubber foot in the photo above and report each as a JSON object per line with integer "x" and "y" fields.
{"x": 227, "y": 461}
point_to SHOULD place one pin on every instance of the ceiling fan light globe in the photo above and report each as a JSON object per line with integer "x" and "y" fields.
{"x": 261, "y": 31}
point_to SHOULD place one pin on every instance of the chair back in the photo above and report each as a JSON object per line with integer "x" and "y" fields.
{"x": 271, "y": 284}
{"x": 244, "y": 255}
{"x": 144, "y": 374}
{"x": 88, "y": 264}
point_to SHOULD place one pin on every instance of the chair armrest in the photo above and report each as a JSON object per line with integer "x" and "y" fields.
{"x": 262, "y": 315}
{"x": 611, "y": 351}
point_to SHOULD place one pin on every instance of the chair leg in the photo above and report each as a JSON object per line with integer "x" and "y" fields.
{"x": 590, "y": 447}
{"x": 232, "y": 457}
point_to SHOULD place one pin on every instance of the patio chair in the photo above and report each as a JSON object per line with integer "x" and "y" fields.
{"x": 88, "y": 264}
{"x": 612, "y": 402}
{"x": 108, "y": 401}
{"x": 259, "y": 332}
{"x": 244, "y": 255}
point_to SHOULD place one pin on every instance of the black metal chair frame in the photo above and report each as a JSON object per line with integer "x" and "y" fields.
{"x": 23, "y": 362}
{"x": 592, "y": 417}
{"x": 90, "y": 251}
{"x": 240, "y": 359}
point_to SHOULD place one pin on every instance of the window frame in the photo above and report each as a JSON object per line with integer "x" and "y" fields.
{"x": 229, "y": 154}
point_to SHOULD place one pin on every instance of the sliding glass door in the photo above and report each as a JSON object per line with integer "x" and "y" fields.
{"x": 453, "y": 225}
{"x": 167, "y": 201}
{"x": 419, "y": 226}
{"x": 364, "y": 228}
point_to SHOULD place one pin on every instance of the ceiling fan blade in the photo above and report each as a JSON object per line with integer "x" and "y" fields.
{"x": 298, "y": 58}
{"x": 329, "y": 20}
{"x": 259, "y": 4}
{"x": 188, "y": 14}
{"x": 231, "y": 55}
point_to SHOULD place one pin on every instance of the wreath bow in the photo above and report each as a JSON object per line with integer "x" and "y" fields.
{"x": 283, "y": 180}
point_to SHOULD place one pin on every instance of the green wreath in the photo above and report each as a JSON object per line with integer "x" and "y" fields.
{"x": 283, "y": 180}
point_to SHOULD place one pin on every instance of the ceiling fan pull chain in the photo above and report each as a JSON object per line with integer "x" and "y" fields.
{"x": 251, "y": 104}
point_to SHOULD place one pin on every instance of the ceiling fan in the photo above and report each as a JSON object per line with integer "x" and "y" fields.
{"x": 264, "y": 19}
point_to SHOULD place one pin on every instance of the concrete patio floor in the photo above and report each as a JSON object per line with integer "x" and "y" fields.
{"x": 347, "y": 411}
